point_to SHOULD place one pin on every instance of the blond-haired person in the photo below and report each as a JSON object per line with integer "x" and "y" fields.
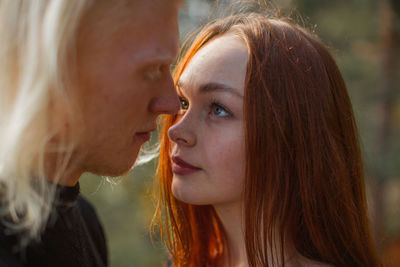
{"x": 81, "y": 85}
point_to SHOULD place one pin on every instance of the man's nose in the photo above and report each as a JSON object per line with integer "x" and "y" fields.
{"x": 168, "y": 102}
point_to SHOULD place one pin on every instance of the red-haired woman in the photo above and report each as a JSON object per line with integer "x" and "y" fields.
{"x": 262, "y": 166}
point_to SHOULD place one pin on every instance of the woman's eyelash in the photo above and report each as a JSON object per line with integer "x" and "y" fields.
{"x": 184, "y": 103}
{"x": 214, "y": 107}
{"x": 215, "y": 104}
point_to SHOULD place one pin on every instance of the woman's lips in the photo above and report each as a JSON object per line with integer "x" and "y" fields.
{"x": 181, "y": 167}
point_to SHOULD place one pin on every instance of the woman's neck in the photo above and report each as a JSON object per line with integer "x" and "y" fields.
{"x": 232, "y": 220}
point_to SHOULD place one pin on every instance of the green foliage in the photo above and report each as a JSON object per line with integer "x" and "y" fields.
{"x": 125, "y": 208}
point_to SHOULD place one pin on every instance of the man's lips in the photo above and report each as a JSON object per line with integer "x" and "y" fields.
{"x": 144, "y": 136}
{"x": 181, "y": 167}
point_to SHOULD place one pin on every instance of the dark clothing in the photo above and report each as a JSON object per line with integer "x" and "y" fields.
{"x": 73, "y": 237}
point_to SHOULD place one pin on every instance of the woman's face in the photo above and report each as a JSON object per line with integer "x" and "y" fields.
{"x": 208, "y": 143}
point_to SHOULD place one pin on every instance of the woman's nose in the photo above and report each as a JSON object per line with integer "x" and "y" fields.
{"x": 182, "y": 134}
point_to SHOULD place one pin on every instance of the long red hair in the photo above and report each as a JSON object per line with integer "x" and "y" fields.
{"x": 304, "y": 174}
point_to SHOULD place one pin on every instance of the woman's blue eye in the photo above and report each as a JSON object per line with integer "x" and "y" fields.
{"x": 219, "y": 111}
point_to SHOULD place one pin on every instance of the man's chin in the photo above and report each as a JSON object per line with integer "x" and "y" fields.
{"x": 116, "y": 167}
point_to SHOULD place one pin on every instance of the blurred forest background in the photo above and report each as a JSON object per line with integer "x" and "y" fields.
{"x": 364, "y": 37}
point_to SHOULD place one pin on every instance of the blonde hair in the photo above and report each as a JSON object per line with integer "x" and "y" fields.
{"x": 35, "y": 38}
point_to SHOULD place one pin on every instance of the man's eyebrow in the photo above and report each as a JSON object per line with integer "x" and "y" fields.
{"x": 148, "y": 59}
{"x": 213, "y": 87}
{"x": 163, "y": 60}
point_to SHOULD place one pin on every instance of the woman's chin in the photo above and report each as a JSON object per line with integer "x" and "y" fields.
{"x": 188, "y": 196}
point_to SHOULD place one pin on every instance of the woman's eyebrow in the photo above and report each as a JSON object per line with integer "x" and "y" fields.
{"x": 213, "y": 87}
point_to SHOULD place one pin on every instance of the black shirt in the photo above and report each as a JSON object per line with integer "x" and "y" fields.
{"x": 73, "y": 237}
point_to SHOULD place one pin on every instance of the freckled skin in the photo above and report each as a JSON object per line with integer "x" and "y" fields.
{"x": 123, "y": 82}
{"x": 212, "y": 143}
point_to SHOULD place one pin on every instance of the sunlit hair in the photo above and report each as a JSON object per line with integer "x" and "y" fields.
{"x": 304, "y": 180}
{"x": 35, "y": 37}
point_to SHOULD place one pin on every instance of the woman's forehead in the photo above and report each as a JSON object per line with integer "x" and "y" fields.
{"x": 223, "y": 60}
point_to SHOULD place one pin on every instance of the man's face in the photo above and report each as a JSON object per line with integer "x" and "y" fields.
{"x": 124, "y": 52}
